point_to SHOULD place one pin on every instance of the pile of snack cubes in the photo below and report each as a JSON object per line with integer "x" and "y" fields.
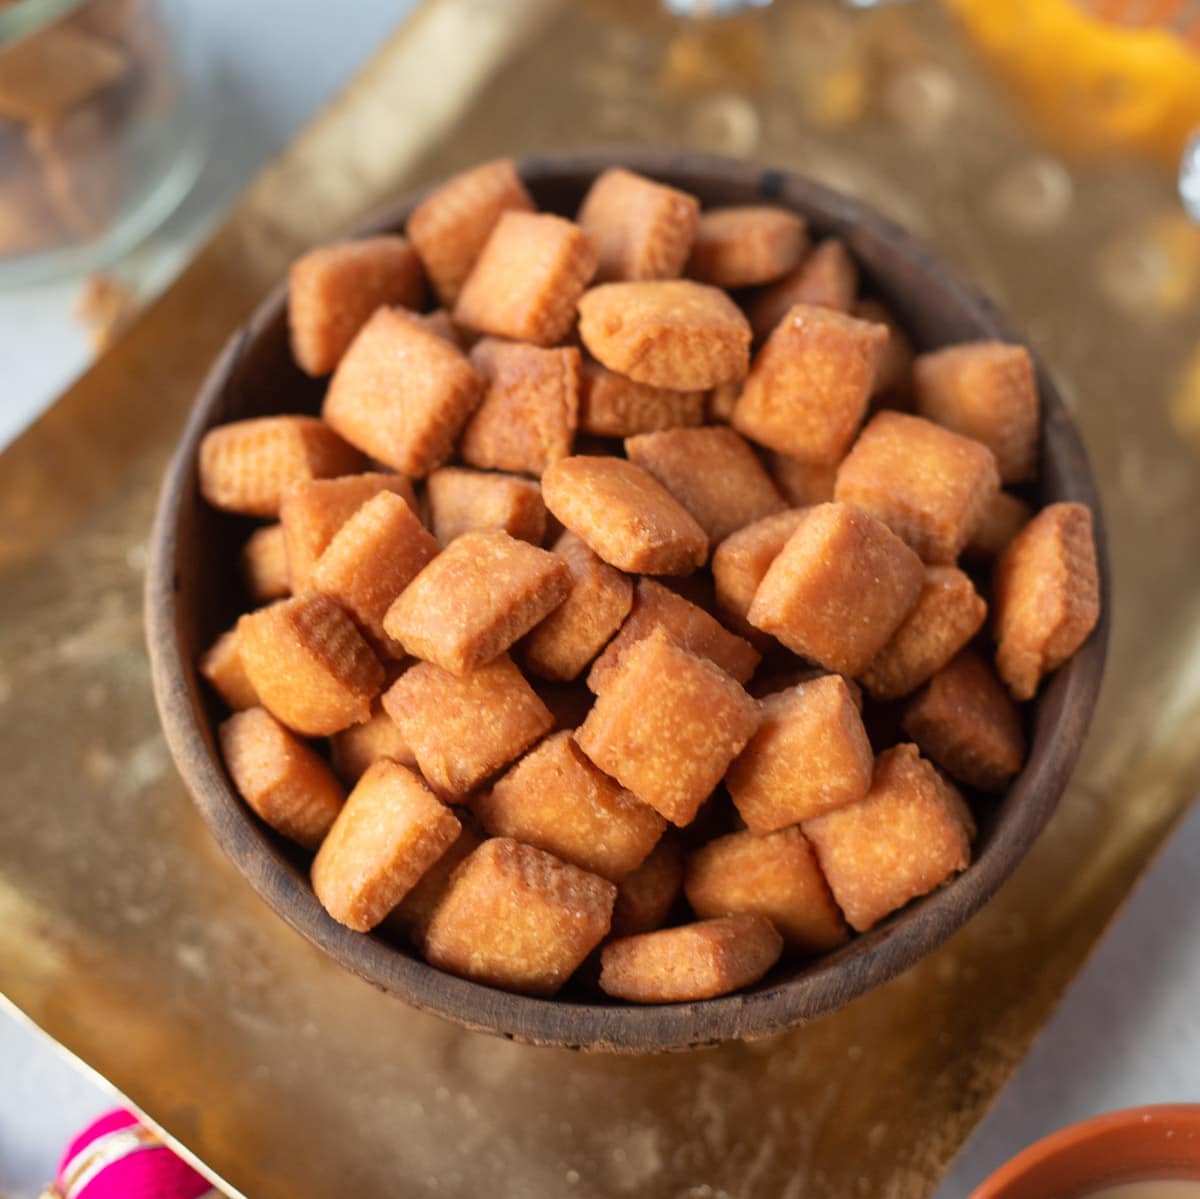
{"x": 593, "y": 644}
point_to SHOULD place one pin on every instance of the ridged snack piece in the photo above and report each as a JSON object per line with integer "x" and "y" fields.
{"x": 472, "y": 501}
{"x": 265, "y": 564}
{"x": 746, "y": 246}
{"x": 613, "y": 406}
{"x": 827, "y": 278}
{"x": 221, "y": 665}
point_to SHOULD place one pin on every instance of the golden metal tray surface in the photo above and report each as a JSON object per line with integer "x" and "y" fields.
{"x": 126, "y": 936}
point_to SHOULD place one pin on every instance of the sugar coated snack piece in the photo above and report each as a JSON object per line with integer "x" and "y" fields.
{"x": 624, "y": 515}
{"x": 641, "y": 229}
{"x": 675, "y": 334}
{"x": 265, "y": 564}
{"x": 807, "y": 391}
{"x": 527, "y": 279}
{"x": 948, "y": 613}
{"x": 741, "y": 561}
{"x": 414, "y": 912}
{"x": 467, "y": 501}
{"x": 313, "y": 510}
{"x": 402, "y": 394}
{"x": 985, "y": 390}
{"x": 893, "y": 376}
{"x": 838, "y": 589}
{"x": 909, "y": 835}
{"x": 801, "y": 483}
{"x": 465, "y": 728}
{"x": 562, "y": 645}
{"x": 450, "y": 227}
{"x": 827, "y": 278}
{"x": 556, "y": 800}
{"x": 1046, "y": 596}
{"x": 518, "y": 918}
{"x": 333, "y": 290}
{"x": 666, "y": 726}
{"x": 477, "y": 597}
{"x": 776, "y": 876}
{"x": 391, "y": 830}
{"x": 221, "y": 665}
{"x": 712, "y": 472}
{"x": 782, "y": 680}
{"x": 691, "y": 962}
{"x": 286, "y": 784}
{"x": 928, "y": 485}
{"x": 746, "y": 245}
{"x": 809, "y": 755}
{"x": 1003, "y": 518}
{"x": 372, "y": 558}
{"x": 247, "y": 465}
{"x": 645, "y": 896}
{"x": 613, "y": 406}
{"x": 686, "y": 625}
{"x": 379, "y": 736}
{"x": 967, "y": 723}
{"x": 530, "y": 409}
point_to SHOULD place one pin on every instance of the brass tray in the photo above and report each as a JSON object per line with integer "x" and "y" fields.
{"x": 126, "y": 936}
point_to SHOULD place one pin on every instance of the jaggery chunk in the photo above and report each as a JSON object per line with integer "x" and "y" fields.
{"x": 450, "y": 227}
{"x": 465, "y": 728}
{"x": 286, "y": 784}
{"x": 517, "y": 918}
{"x": 910, "y": 834}
{"x": 985, "y": 390}
{"x": 776, "y": 876}
{"x": 624, "y": 515}
{"x": 221, "y": 665}
{"x": 401, "y": 393}
{"x": 645, "y": 897}
{"x": 414, "y": 912}
{"x": 827, "y": 278}
{"x": 746, "y": 245}
{"x": 613, "y": 406}
{"x": 478, "y": 596}
{"x": 392, "y": 830}
{"x": 530, "y": 409}
{"x": 928, "y": 485}
{"x": 801, "y": 483}
{"x": 838, "y": 589}
{"x": 556, "y": 800}
{"x": 1003, "y": 518}
{"x": 379, "y": 736}
{"x": 948, "y": 613}
{"x": 309, "y": 664}
{"x": 579, "y": 628}
{"x": 809, "y": 386}
{"x": 1046, "y": 597}
{"x": 968, "y": 724}
{"x": 333, "y": 290}
{"x": 247, "y": 465}
{"x": 527, "y": 279}
{"x": 712, "y": 472}
{"x": 809, "y": 755}
{"x": 467, "y": 501}
{"x": 675, "y": 334}
{"x": 265, "y": 564}
{"x": 666, "y": 726}
{"x": 741, "y": 561}
{"x": 693, "y": 961}
{"x": 641, "y": 229}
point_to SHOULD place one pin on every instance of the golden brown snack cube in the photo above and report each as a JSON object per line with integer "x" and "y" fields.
{"x": 1001, "y": 521}
{"x": 414, "y": 912}
{"x": 265, "y": 564}
{"x": 624, "y": 515}
{"x": 893, "y": 377}
{"x": 948, "y": 613}
{"x": 517, "y": 918}
{"x": 379, "y": 736}
{"x": 645, "y": 897}
{"x": 1046, "y": 596}
{"x": 562, "y": 645}
{"x": 450, "y": 227}
{"x": 477, "y": 597}
{"x": 746, "y": 245}
{"x": 391, "y": 831}
{"x": 807, "y": 391}
{"x": 928, "y": 485}
{"x": 530, "y": 409}
{"x": 676, "y": 334}
{"x": 333, "y": 290}
{"x": 247, "y": 465}
{"x": 801, "y": 483}
{"x": 694, "y": 961}
{"x": 741, "y": 561}
{"x": 556, "y": 800}
{"x": 666, "y": 726}
{"x": 465, "y": 728}
{"x": 641, "y": 229}
{"x": 809, "y": 755}
{"x": 686, "y": 625}
{"x": 827, "y": 278}
{"x": 985, "y": 390}
{"x": 221, "y": 665}
{"x": 286, "y": 784}
{"x": 309, "y": 664}
{"x": 527, "y": 279}
{"x": 776, "y": 876}
{"x": 712, "y": 472}
{"x": 838, "y": 589}
{"x": 468, "y": 501}
{"x": 909, "y": 835}
{"x": 613, "y": 406}
{"x": 967, "y": 723}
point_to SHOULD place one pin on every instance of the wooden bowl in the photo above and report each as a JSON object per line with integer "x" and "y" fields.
{"x": 192, "y": 595}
